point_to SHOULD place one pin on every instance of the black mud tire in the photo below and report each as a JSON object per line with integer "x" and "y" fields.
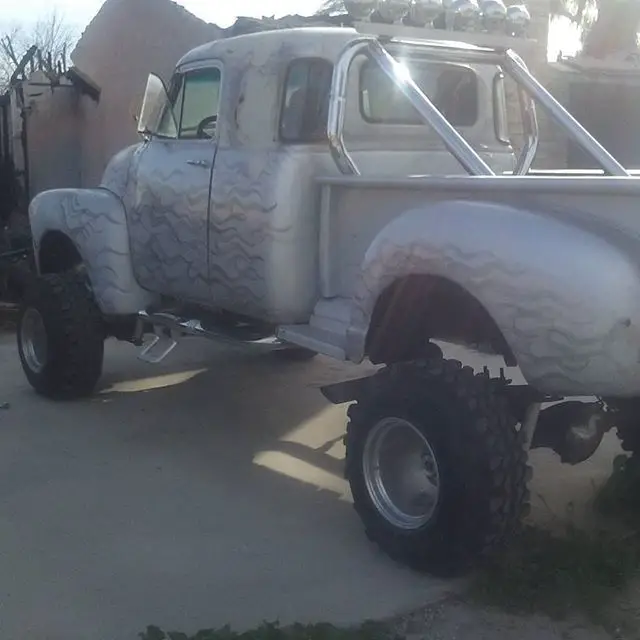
{"x": 629, "y": 434}
{"x": 75, "y": 336}
{"x": 480, "y": 455}
{"x": 295, "y": 354}
{"x": 625, "y": 415}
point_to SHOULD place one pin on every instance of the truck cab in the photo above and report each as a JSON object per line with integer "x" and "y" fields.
{"x": 242, "y": 127}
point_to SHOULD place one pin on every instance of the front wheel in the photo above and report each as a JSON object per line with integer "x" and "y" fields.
{"x": 437, "y": 468}
{"x": 61, "y": 337}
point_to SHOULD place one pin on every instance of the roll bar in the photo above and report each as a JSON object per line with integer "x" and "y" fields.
{"x": 530, "y": 91}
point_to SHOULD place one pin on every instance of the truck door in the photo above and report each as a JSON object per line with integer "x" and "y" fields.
{"x": 170, "y": 204}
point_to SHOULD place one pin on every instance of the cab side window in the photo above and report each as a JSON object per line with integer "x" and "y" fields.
{"x": 195, "y": 99}
{"x": 305, "y": 104}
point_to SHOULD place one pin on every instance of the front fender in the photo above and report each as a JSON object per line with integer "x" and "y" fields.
{"x": 566, "y": 301}
{"x": 95, "y": 221}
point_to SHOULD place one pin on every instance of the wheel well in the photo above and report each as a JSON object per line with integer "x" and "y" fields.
{"x": 58, "y": 253}
{"x": 419, "y": 308}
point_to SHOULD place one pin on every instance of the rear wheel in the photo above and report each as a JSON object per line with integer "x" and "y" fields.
{"x": 437, "y": 468}
{"x": 295, "y": 354}
{"x": 61, "y": 336}
{"x": 626, "y": 417}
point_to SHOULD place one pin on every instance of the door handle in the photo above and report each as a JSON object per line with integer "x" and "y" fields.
{"x": 205, "y": 164}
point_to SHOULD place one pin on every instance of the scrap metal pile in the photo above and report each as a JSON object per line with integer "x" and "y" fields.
{"x": 15, "y": 238}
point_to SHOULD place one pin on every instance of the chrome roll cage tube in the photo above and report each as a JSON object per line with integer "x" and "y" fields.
{"x": 517, "y": 69}
{"x": 530, "y": 91}
{"x": 531, "y": 136}
{"x": 338, "y": 104}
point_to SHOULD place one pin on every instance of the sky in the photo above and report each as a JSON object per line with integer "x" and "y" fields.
{"x": 222, "y": 12}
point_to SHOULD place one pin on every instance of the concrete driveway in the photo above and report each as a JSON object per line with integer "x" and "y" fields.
{"x": 204, "y": 491}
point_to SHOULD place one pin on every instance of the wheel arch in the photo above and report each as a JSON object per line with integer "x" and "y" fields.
{"x": 89, "y": 227}
{"x": 57, "y": 253}
{"x": 535, "y": 275}
{"x": 417, "y": 308}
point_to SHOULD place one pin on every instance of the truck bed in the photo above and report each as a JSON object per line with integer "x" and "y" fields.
{"x": 606, "y": 206}
{"x": 554, "y": 260}
{"x": 573, "y": 173}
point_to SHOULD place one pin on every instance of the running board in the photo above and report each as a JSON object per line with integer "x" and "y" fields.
{"x": 169, "y": 329}
{"x": 315, "y": 339}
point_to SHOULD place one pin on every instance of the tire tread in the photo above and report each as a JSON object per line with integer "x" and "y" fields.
{"x": 485, "y": 443}
{"x": 75, "y": 334}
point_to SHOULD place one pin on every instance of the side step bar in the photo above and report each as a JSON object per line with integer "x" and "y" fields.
{"x": 168, "y": 329}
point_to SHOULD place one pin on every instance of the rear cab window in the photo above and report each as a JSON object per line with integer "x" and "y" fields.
{"x": 305, "y": 101}
{"x": 452, "y": 88}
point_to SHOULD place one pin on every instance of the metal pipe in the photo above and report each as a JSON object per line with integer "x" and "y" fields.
{"x": 449, "y": 52}
{"x": 5, "y": 134}
{"x": 455, "y": 143}
{"x": 530, "y": 423}
{"x": 531, "y": 133}
{"x": 518, "y": 70}
{"x": 24, "y": 139}
{"x": 337, "y": 104}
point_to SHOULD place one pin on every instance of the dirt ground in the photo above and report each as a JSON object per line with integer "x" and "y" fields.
{"x": 454, "y": 619}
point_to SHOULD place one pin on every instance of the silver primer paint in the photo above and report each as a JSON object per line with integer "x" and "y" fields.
{"x": 247, "y": 235}
{"x": 96, "y": 223}
{"x": 573, "y": 325}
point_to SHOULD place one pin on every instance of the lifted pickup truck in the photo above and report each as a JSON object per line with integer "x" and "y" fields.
{"x": 325, "y": 191}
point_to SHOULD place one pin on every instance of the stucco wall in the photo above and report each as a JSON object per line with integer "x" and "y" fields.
{"x": 126, "y": 41}
{"x": 585, "y": 87}
{"x": 53, "y": 133}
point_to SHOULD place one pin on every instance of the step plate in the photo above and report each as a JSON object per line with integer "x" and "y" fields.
{"x": 158, "y": 348}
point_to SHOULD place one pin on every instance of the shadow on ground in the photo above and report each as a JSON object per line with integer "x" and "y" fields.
{"x": 206, "y": 490}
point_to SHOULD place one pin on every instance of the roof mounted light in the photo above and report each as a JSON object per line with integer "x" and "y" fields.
{"x": 465, "y": 15}
{"x": 423, "y": 12}
{"x": 490, "y": 16}
{"x": 494, "y": 15}
{"x": 390, "y": 11}
{"x": 518, "y": 19}
{"x": 360, "y": 9}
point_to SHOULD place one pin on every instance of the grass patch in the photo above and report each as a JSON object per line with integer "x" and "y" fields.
{"x": 273, "y": 631}
{"x": 560, "y": 574}
{"x": 619, "y": 498}
{"x": 578, "y": 570}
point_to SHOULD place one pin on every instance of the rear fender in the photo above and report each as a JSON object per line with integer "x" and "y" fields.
{"x": 95, "y": 221}
{"x": 567, "y": 302}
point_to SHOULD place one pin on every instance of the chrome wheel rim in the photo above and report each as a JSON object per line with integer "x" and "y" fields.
{"x": 401, "y": 473}
{"x": 33, "y": 338}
